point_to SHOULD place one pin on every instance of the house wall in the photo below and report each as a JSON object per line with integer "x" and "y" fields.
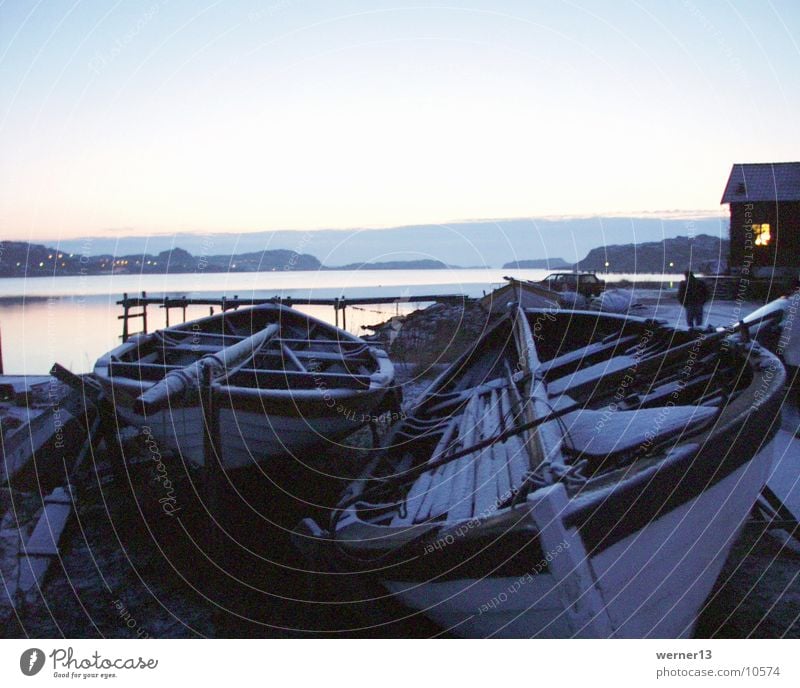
{"x": 783, "y": 250}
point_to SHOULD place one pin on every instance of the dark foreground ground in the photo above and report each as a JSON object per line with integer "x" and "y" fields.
{"x": 129, "y": 569}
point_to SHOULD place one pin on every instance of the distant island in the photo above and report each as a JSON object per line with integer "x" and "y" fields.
{"x": 397, "y": 265}
{"x": 705, "y": 253}
{"x": 21, "y": 259}
{"x": 538, "y": 264}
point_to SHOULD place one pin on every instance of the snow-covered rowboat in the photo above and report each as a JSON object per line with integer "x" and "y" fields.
{"x": 574, "y": 475}
{"x": 286, "y": 383}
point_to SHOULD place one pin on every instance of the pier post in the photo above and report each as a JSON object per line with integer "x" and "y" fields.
{"x": 344, "y": 314}
{"x": 212, "y": 471}
{"x": 184, "y": 308}
{"x": 144, "y": 312}
{"x": 166, "y": 307}
{"x": 125, "y": 317}
{"x": 336, "y": 310}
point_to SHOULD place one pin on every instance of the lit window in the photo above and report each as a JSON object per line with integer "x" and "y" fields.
{"x": 762, "y": 235}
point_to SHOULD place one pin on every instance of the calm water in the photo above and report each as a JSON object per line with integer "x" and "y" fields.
{"x": 73, "y": 320}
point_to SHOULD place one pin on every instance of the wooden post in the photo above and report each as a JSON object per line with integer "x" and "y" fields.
{"x": 144, "y": 313}
{"x": 336, "y": 310}
{"x": 166, "y": 307}
{"x": 211, "y": 451}
{"x": 184, "y": 308}
{"x": 124, "y": 317}
{"x": 212, "y": 464}
{"x": 344, "y": 314}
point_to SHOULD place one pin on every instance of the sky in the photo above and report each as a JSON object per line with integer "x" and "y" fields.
{"x": 141, "y": 118}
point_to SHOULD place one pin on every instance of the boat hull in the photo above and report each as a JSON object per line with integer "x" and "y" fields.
{"x": 248, "y": 437}
{"x": 651, "y": 584}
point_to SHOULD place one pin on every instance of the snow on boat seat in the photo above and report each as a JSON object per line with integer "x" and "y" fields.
{"x": 584, "y": 355}
{"x": 597, "y": 434}
{"x": 590, "y": 376}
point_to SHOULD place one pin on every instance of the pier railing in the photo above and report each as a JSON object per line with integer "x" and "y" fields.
{"x": 135, "y": 307}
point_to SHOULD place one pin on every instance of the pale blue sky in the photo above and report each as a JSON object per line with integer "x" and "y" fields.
{"x": 235, "y": 115}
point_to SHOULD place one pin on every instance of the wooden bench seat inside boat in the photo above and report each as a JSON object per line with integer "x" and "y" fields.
{"x": 290, "y": 379}
{"x": 598, "y": 434}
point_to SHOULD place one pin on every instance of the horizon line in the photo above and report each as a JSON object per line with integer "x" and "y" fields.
{"x": 697, "y": 214}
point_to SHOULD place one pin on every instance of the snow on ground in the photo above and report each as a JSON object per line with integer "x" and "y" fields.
{"x": 663, "y": 304}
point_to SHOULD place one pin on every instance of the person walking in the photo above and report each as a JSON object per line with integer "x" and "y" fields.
{"x": 693, "y": 294}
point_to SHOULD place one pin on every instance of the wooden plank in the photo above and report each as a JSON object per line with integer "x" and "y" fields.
{"x": 588, "y": 355}
{"x": 42, "y": 545}
{"x": 437, "y": 500}
{"x": 464, "y": 484}
{"x": 500, "y": 461}
{"x": 460, "y": 477}
{"x": 420, "y": 487}
{"x": 515, "y": 453}
{"x": 485, "y": 495}
{"x": 581, "y": 598}
{"x": 293, "y": 379}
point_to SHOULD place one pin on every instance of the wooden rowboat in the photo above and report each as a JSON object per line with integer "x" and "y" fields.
{"x": 286, "y": 383}
{"x": 574, "y": 475}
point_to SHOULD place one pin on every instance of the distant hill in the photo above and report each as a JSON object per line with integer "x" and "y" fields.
{"x": 655, "y": 256}
{"x": 396, "y": 265}
{"x": 21, "y": 259}
{"x": 262, "y": 261}
{"x": 537, "y": 264}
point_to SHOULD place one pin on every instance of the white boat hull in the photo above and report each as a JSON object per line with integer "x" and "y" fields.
{"x": 652, "y": 583}
{"x": 246, "y": 438}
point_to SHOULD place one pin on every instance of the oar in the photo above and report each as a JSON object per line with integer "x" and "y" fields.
{"x": 176, "y": 383}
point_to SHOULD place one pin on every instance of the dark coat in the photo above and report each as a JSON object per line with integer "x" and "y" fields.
{"x": 692, "y": 292}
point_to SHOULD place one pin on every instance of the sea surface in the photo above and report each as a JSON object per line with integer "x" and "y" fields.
{"x": 74, "y": 320}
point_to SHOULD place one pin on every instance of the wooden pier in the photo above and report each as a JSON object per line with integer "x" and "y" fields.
{"x": 139, "y": 305}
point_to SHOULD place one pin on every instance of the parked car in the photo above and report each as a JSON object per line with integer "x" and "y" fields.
{"x": 585, "y": 283}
